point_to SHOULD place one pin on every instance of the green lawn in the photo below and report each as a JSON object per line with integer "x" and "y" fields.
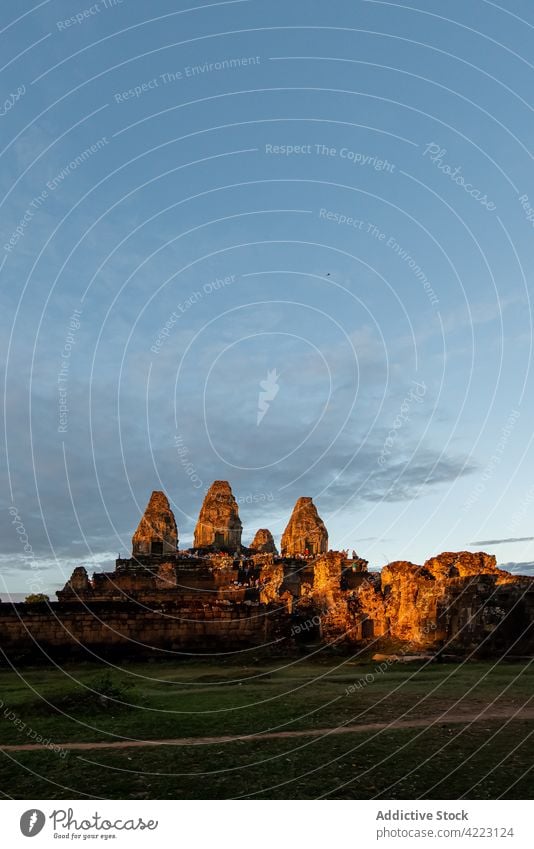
{"x": 190, "y": 699}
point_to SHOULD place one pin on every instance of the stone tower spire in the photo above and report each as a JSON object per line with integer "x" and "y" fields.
{"x": 306, "y": 531}
{"x": 263, "y": 542}
{"x": 219, "y": 525}
{"x": 157, "y": 532}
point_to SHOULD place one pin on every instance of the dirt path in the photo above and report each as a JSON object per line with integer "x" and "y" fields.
{"x": 394, "y": 725}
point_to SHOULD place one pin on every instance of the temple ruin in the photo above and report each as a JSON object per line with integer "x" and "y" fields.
{"x": 219, "y": 525}
{"x": 223, "y": 596}
{"x": 156, "y": 533}
{"x": 263, "y": 542}
{"x": 306, "y": 532}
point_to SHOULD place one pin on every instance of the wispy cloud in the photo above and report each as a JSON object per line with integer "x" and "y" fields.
{"x": 523, "y": 568}
{"x": 501, "y": 541}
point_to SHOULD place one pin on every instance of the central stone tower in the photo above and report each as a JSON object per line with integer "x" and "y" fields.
{"x": 156, "y": 533}
{"x": 306, "y": 531}
{"x": 219, "y": 525}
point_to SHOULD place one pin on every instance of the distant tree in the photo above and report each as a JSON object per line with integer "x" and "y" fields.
{"x": 36, "y": 598}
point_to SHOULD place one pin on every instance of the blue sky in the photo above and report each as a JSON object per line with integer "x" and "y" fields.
{"x": 320, "y": 210}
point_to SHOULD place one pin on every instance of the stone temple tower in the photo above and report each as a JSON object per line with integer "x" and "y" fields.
{"x": 157, "y": 533}
{"x": 306, "y": 531}
{"x": 263, "y": 542}
{"x": 219, "y": 525}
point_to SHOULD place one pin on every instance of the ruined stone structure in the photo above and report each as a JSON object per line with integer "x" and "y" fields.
{"x": 116, "y": 629}
{"x": 219, "y": 525}
{"x": 306, "y": 532}
{"x": 223, "y": 597}
{"x": 457, "y": 601}
{"x": 263, "y": 542}
{"x": 156, "y": 533}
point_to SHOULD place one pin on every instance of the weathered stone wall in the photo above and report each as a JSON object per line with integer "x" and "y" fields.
{"x": 126, "y": 628}
{"x": 457, "y": 601}
{"x": 367, "y": 607}
{"x": 330, "y": 601}
{"x": 411, "y": 596}
{"x": 488, "y": 614}
{"x": 460, "y": 600}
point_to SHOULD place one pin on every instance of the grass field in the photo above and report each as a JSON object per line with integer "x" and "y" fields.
{"x": 443, "y": 758}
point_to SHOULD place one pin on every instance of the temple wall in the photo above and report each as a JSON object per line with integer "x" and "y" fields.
{"x": 128, "y": 628}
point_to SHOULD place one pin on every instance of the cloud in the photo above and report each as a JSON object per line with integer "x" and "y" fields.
{"x": 501, "y": 541}
{"x": 482, "y": 312}
{"x": 523, "y": 568}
